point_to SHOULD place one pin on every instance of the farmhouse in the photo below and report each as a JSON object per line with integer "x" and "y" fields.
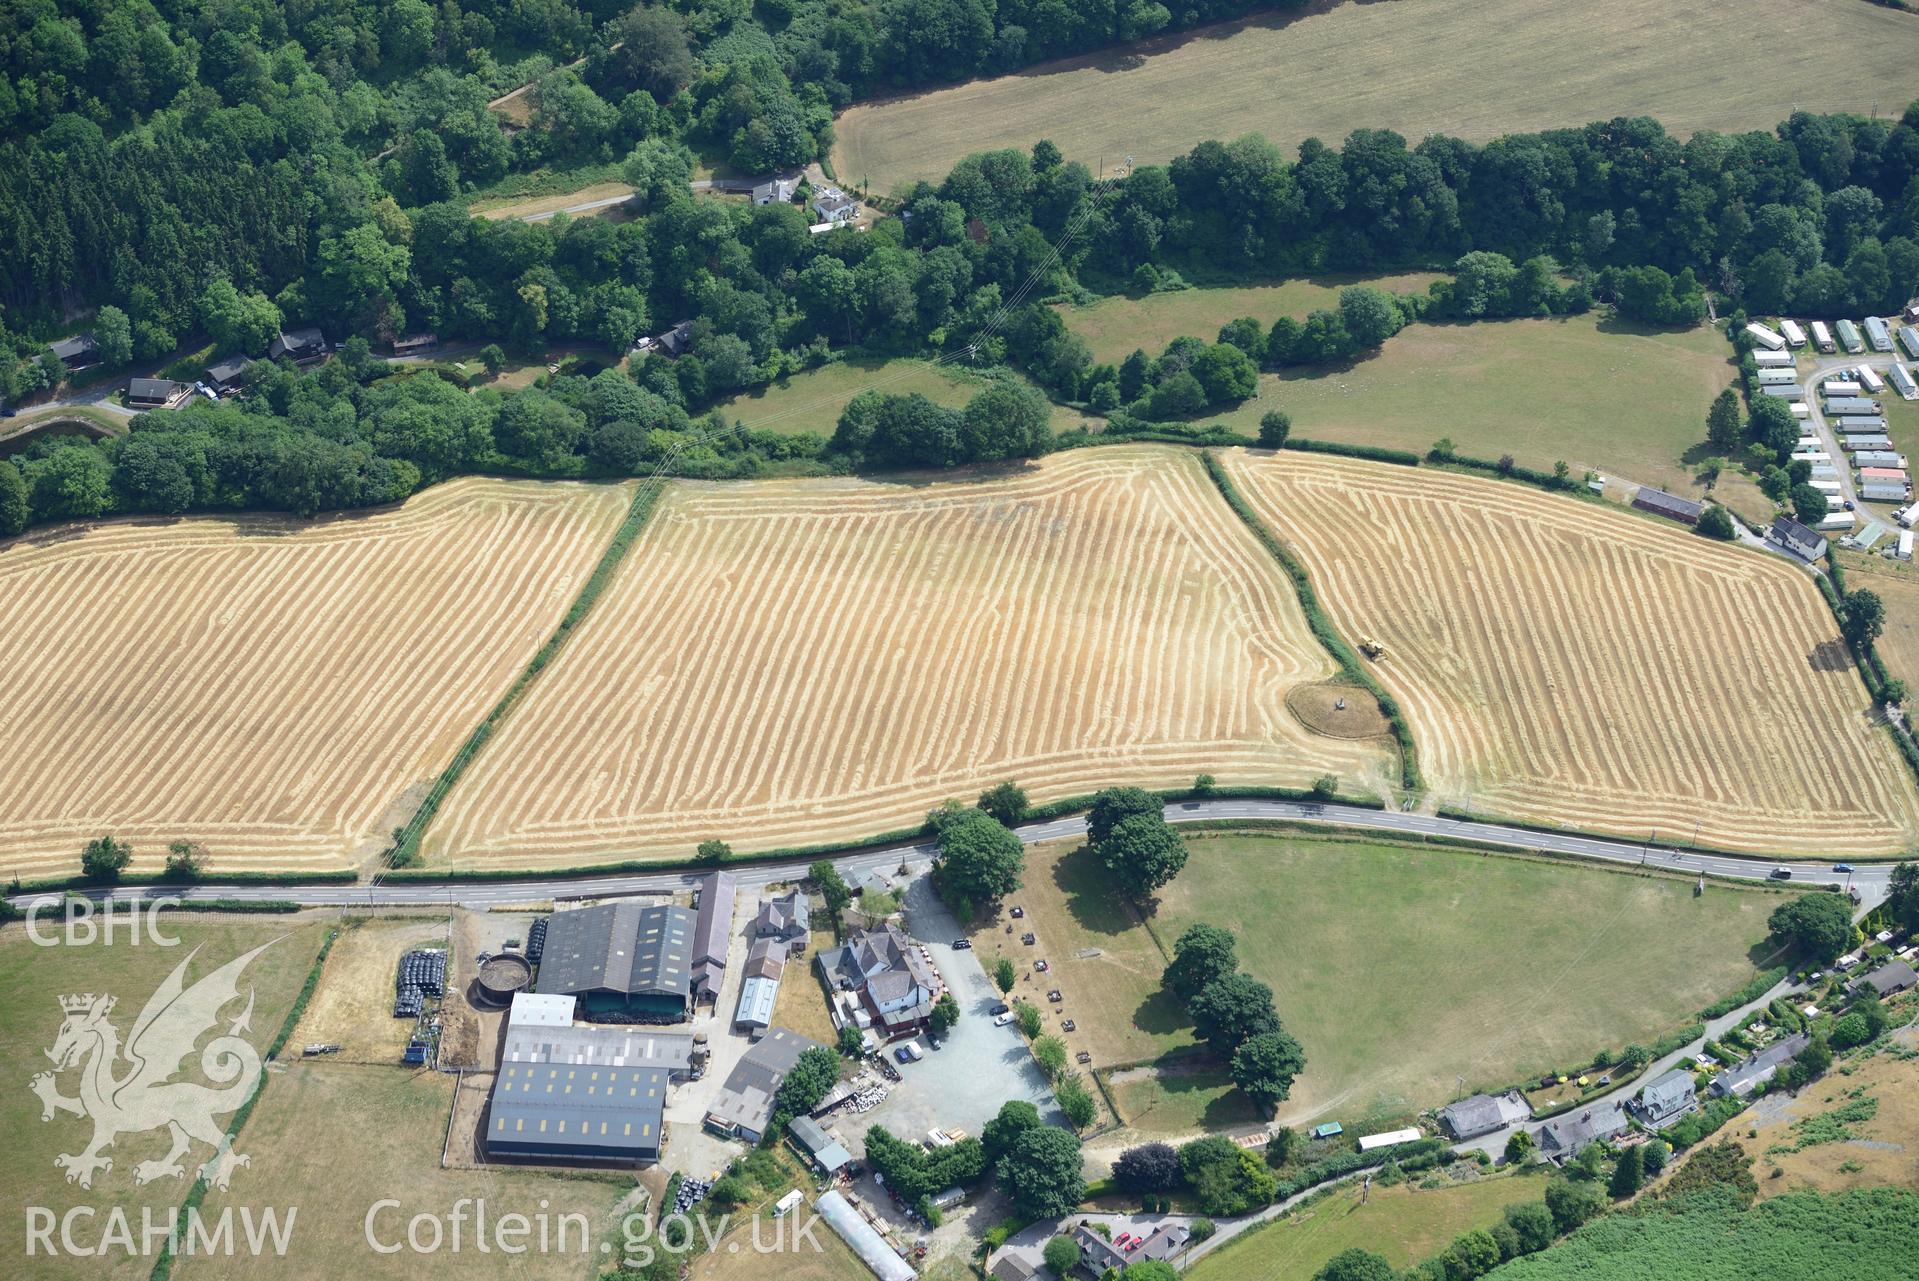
{"x": 760, "y": 984}
{"x": 1887, "y": 980}
{"x": 301, "y": 346}
{"x": 1796, "y": 538}
{"x": 1757, "y": 1068}
{"x": 711, "y": 935}
{"x": 744, "y": 1104}
{"x": 155, "y": 393}
{"x": 224, "y": 375}
{"x": 82, "y": 351}
{"x": 775, "y": 190}
{"x": 880, "y": 980}
{"x": 821, "y": 1150}
{"x": 1562, "y": 1137}
{"x": 1664, "y": 1101}
{"x": 786, "y": 919}
{"x": 623, "y": 957}
{"x": 1671, "y": 506}
{"x": 834, "y": 206}
{"x": 1484, "y": 1113}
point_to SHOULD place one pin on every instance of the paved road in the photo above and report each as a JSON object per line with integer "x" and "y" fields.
{"x": 1870, "y": 879}
{"x": 1824, "y": 367}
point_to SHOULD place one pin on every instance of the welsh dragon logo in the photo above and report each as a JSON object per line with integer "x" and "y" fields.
{"x": 130, "y": 1089}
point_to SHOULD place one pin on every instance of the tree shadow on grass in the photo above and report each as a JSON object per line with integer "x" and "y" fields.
{"x": 1090, "y": 898}
{"x": 1161, "y": 1014}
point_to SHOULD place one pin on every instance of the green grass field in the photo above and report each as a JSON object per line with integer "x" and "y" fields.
{"x": 1113, "y": 327}
{"x": 1405, "y": 1224}
{"x": 812, "y": 400}
{"x": 1597, "y": 393}
{"x": 1184, "y": 1095}
{"x": 32, "y": 981}
{"x": 1401, "y": 969}
{"x": 1473, "y": 69}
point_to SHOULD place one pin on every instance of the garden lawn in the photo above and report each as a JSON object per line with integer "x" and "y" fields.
{"x": 1416, "y": 975}
{"x": 1403, "y": 1223}
{"x": 1182, "y": 1095}
{"x": 1607, "y": 395}
{"x": 1113, "y": 327}
{"x": 812, "y": 399}
{"x": 1896, "y": 583}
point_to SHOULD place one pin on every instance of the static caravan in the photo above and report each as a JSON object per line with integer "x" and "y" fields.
{"x": 1826, "y": 486}
{"x": 1902, "y": 380}
{"x": 1909, "y": 339}
{"x": 1866, "y": 444}
{"x": 1870, "y": 380}
{"x": 1878, "y": 334}
{"x": 1771, "y": 359}
{"x": 1877, "y": 458}
{"x": 1824, "y": 471}
{"x": 1905, "y": 515}
{"x": 1905, "y": 545}
{"x": 1777, "y": 376}
{"x": 1835, "y": 502}
{"x": 1838, "y": 520}
{"x": 1814, "y": 456}
{"x": 1795, "y": 336}
{"x": 1784, "y": 391}
{"x": 1849, "y": 336}
{"x": 1799, "y": 409}
{"x": 1841, "y": 387}
{"x": 1822, "y": 336}
{"x": 1853, "y": 405}
{"x": 1884, "y": 491}
{"x": 1765, "y": 337}
{"x": 1885, "y": 473}
{"x": 1862, "y": 425}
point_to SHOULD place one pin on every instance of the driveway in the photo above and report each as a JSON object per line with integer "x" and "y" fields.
{"x": 981, "y": 1066}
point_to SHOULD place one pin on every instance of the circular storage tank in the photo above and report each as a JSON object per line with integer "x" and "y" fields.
{"x": 504, "y": 975}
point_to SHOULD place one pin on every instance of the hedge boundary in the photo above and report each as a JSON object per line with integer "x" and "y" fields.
{"x": 160, "y": 880}
{"x": 406, "y": 841}
{"x": 1322, "y": 626}
{"x": 163, "y": 1264}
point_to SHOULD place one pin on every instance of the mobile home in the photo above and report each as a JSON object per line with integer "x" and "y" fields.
{"x": 1905, "y": 515}
{"x": 1866, "y": 444}
{"x": 1870, "y": 380}
{"x": 1860, "y": 425}
{"x": 1771, "y": 359}
{"x": 1902, "y": 380}
{"x": 1849, "y": 336}
{"x": 1824, "y": 471}
{"x": 1777, "y": 376}
{"x": 1909, "y": 339}
{"x": 1905, "y": 545}
{"x": 1841, "y": 387}
{"x": 1852, "y": 405}
{"x": 1826, "y": 486}
{"x": 1795, "y": 336}
{"x": 1878, "y": 458}
{"x": 1822, "y": 336}
{"x": 1784, "y": 391}
{"x": 1837, "y": 520}
{"x": 1769, "y": 338}
{"x": 1884, "y": 491}
{"x": 1878, "y": 334}
{"x": 1799, "y": 409}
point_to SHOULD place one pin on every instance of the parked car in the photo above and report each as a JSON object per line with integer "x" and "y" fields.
{"x": 933, "y": 1042}
{"x": 962, "y": 945}
{"x": 1000, "y": 1007}
{"x": 1003, "y": 1018}
{"x": 905, "y": 1054}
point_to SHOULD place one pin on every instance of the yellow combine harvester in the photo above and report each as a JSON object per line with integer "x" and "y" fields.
{"x": 1371, "y": 648}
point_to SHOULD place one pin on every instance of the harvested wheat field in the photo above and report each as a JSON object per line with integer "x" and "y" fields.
{"x": 784, "y": 662}
{"x": 1567, "y": 663}
{"x": 267, "y": 687}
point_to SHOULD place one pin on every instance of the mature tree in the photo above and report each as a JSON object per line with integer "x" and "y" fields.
{"x": 1050, "y": 1053}
{"x": 1226, "y": 375}
{"x": 1722, "y": 422}
{"x": 832, "y": 886}
{"x": 1202, "y": 954}
{"x": 980, "y": 860}
{"x": 1275, "y": 425}
{"x": 1232, "y": 1010}
{"x": 1573, "y": 1202}
{"x": 1026, "y": 1018}
{"x": 1005, "y": 802}
{"x": 1042, "y": 1174}
{"x": 1142, "y": 853}
{"x": 1234, "y": 1182}
{"x": 493, "y": 357}
{"x": 1533, "y": 1224}
{"x": 185, "y": 861}
{"x": 1519, "y": 1147}
{"x": 1061, "y": 1256}
{"x": 1148, "y": 1270}
{"x": 1149, "y": 1167}
{"x": 1809, "y": 506}
{"x": 1264, "y": 1067}
{"x": 1820, "y": 924}
{"x": 1472, "y": 1255}
{"x": 104, "y": 859}
{"x": 1014, "y": 1118}
{"x": 1716, "y": 522}
{"x": 13, "y": 500}
{"x": 646, "y": 47}
{"x": 1654, "y": 1154}
{"x": 1004, "y": 974}
{"x": 946, "y": 1012}
{"x": 114, "y": 332}
{"x": 850, "y": 1042}
{"x": 1813, "y": 1061}
{"x": 1628, "y": 1174}
{"x": 1006, "y": 420}
{"x": 1371, "y": 315}
{"x": 1902, "y": 892}
{"x": 712, "y": 852}
{"x": 1075, "y": 1100}
{"x": 1355, "y": 1264}
{"x": 235, "y": 321}
{"x": 1850, "y": 1030}
{"x": 1116, "y": 803}
{"x": 1864, "y": 616}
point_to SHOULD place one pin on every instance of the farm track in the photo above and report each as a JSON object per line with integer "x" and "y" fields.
{"x": 783, "y": 662}
{"x": 1563, "y": 663}
{"x": 269, "y": 687}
